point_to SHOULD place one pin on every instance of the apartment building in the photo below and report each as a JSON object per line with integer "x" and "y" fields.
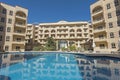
{"x": 30, "y": 37}
{"x": 13, "y": 22}
{"x": 105, "y": 17}
{"x": 65, "y": 34}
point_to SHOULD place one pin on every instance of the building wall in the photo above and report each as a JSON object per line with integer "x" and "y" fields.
{"x": 63, "y": 31}
{"x": 105, "y": 25}
{"x": 30, "y": 37}
{"x": 14, "y": 27}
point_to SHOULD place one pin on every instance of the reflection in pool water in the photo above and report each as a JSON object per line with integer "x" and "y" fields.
{"x": 53, "y": 66}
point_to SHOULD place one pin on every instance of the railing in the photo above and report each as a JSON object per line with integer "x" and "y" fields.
{"x": 101, "y": 39}
{"x": 19, "y": 16}
{"x": 19, "y": 32}
{"x": 99, "y": 29}
{"x": 97, "y": 11}
{"x": 21, "y": 25}
{"x": 98, "y": 20}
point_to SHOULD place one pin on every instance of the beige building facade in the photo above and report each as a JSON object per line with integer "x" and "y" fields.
{"x": 65, "y": 34}
{"x": 13, "y": 22}
{"x": 105, "y": 17}
{"x": 30, "y": 37}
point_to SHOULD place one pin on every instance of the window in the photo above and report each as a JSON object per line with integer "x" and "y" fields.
{"x": 117, "y": 72}
{"x": 2, "y": 19}
{"x": 17, "y": 48}
{"x": 6, "y": 48}
{"x": 116, "y": 2}
{"x": 8, "y": 29}
{"x": 108, "y": 6}
{"x": 1, "y": 28}
{"x": 102, "y": 46}
{"x": 9, "y": 21}
{"x": 0, "y": 37}
{"x": 119, "y": 33}
{"x": 7, "y": 38}
{"x": 110, "y": 24}
{"x": 118, "y": 13}
{"x": 4, "y": 11}
{"x": 118, "y": 22}
{"x": 11, "y": 13}
{"x": 5, "y": 56}
{"x": 18, "y": 39}
{"x": 109, "y": 15}
{"x": 101, "y": 36}
{"x": 19, "y": 31}
{"x": 111, "y": 35}
{"x": 113, "y": 45}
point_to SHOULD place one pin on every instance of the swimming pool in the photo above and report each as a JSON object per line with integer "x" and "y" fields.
{"x": 57, "y": 66}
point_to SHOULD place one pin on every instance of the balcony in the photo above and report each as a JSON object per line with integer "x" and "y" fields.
{"x": 18, "y": 42}
{"x": 29, "y": 29}
{"x": 82, "y": 42}
{"x": 102, "y": 39}
{"x": 19, "y": 33}
{"x": 98, "y": 21}
{"x": 62, "y": 32}
{"x": 62, "y": 28}
{"x": 20, "y": 17}
{"x": 99, "y": 30}
{"x": 97, "y": 12}
{"x": 62, "y": 37}
{"x": 20, "y": 25}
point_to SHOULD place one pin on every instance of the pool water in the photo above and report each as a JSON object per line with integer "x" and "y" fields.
{"x": 57, "y": 66}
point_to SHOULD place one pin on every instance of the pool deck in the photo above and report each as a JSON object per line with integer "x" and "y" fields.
{"x": 104, "y": 55}
{"x": 91, "y": 54}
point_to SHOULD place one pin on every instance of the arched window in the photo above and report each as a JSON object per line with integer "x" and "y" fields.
{"x": 113, "y": 45}
{"x": 111, "y": 35}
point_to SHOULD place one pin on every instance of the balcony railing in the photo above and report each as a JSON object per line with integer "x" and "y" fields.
{"x": 99, "y": 11}
{"x": 21, "y": 17}
{"x": 99, "y": 20}
{"x": 18, "y": 41}
{"x": 19, "y": 33}
{"x": 20, "y": 25}
{"x": 97, "y": 30}
{"x": 100, "y": 39}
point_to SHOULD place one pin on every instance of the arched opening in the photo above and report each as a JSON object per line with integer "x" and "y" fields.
{"x": 72, "y": 30}
{"x": 79, "y": 30}
{"x": 46, "y": 31}
{"x": 52, "y": 31}
{"x": 97, "y": 9}
{"x": 21, "y": 14}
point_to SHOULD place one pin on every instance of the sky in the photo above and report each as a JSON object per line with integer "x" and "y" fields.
{"x": 42, "y": 11}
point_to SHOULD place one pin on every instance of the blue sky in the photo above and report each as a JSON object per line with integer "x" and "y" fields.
{"x": 54, "y": 10}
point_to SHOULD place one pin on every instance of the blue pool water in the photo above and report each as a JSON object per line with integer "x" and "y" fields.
{"x": 57, "y": 66}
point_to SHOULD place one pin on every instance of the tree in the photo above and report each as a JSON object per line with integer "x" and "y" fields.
{"x": 50, "y": 44}
{"x": 72, "y": 48}
{"x": 39, "y": 48}
{"x": 64, "y": 49}
{"x": 36, "y": 48}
